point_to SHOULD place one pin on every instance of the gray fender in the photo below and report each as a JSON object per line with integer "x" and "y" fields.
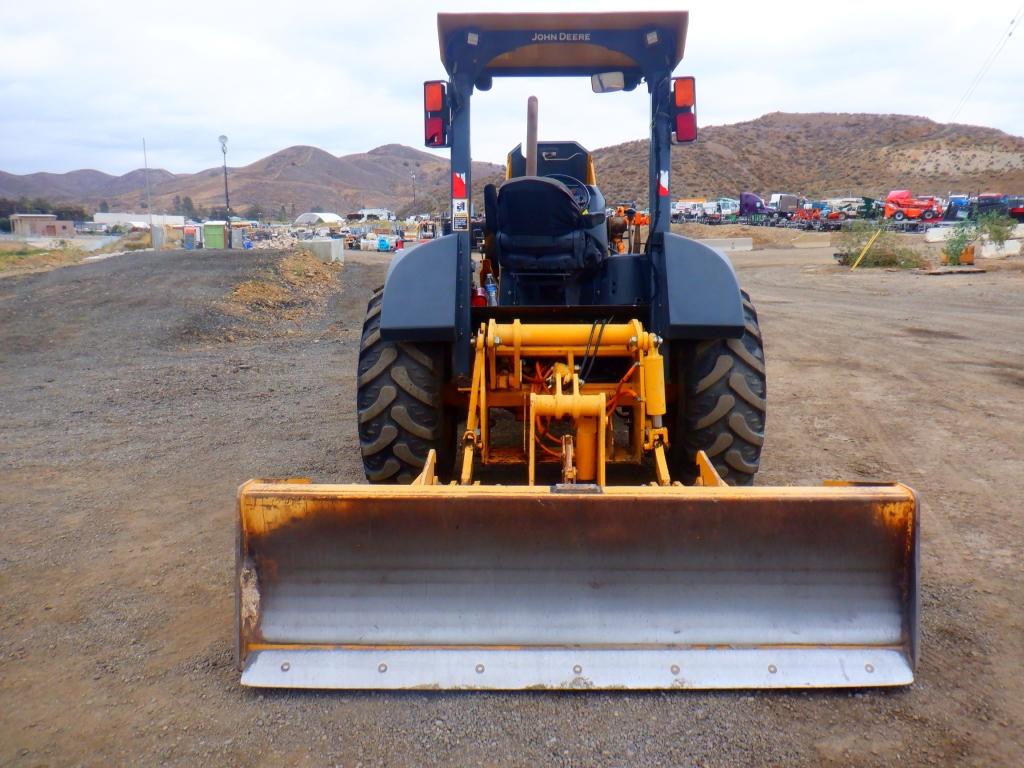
{"x": 697, "y": 294}
{"x": 419, "y": 293}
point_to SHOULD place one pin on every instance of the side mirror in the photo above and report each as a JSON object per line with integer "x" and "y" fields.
{"x": 684, "y": 110}
{"x": 591, "y": 220}
{"x": 608, "y": 82}
{"x": 436, "y": 114}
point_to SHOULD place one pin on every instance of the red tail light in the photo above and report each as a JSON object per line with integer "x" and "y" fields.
{"x": 686, "y": 127}
{"x": 434, "y": 134}
{"x": 684, "y": 110}
{"x": 436, "y": 115}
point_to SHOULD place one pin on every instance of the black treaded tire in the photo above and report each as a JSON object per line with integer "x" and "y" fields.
{"x": 399, "y": 404}
{"x": 722, "y": 411}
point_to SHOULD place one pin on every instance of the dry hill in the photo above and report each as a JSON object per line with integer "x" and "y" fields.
{"x": 824, "y": 155}
{"x": 298, "y": 178}
{"x": 812, "y": 154}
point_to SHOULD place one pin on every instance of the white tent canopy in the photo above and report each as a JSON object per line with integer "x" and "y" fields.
{"x": 329, "y": 219}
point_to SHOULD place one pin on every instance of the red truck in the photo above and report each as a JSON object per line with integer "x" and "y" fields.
{"x": 900, "y": 205}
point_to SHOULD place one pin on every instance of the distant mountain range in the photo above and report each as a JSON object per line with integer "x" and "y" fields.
{"x": 824, "y": 155}
{"x": 296, "y": 178}
{"x": 812, "y": 154}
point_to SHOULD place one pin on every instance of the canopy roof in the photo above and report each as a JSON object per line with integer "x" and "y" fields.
{"x": 546, "y": 42}
{"x": 319, "y": 218}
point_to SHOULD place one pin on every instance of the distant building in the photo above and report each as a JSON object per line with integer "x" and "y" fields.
{"x": 128, "y": 219}
{"x": 40, "y": 225}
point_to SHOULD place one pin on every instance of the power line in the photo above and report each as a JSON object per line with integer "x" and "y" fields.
{"x": 987, "y": 64}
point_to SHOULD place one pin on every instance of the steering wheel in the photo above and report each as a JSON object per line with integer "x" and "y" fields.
{"x": 577, "y": 189}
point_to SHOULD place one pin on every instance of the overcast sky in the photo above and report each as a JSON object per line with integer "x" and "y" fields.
{"x": 82, "y": 83}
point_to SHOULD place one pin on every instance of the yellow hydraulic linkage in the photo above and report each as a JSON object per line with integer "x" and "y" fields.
{"x": 553, "y": 390}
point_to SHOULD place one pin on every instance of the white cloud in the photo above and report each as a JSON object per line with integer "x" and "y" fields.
{"x": 80, "y": 84}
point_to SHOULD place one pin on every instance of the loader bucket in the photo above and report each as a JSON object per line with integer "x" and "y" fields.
{"x": 492, "y": 587}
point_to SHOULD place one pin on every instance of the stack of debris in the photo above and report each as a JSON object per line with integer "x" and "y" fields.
{"x": 279, "y": 240}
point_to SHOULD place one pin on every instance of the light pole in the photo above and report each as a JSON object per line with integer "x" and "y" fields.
{"x": 224, "y": 151}
{"x": 413, "y": 175}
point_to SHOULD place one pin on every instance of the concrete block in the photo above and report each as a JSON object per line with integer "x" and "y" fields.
{"x": 993, "y": 251}
{"x": 731, "y": 243}
{"x": 941, "y": 234}
{"x": 327, "y": 249}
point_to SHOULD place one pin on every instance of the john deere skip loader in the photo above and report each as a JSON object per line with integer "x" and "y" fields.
{"x": 561, "y": 440}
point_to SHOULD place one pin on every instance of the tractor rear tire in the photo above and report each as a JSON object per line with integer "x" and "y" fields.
{"x": 721, "y": 405}
{"x": 399, "y": 404}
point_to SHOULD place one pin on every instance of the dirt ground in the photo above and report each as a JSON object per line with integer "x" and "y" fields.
{"x": 137, "y": 394}
{"x": 762, "y": 237}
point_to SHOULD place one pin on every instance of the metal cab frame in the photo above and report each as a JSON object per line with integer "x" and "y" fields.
{"x": 691, "y": 288}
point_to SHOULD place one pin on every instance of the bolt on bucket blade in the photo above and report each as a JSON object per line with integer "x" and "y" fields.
{"x": 491, "y": 587}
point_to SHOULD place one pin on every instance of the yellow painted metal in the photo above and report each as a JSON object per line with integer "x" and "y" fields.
{"x": 428, "y": 475}
{"x": 267, "y": 505}
{"x": 661, "y": 466}
{"x": 560, "y": 337}
{"x": 708, "y": 476}
{"x": 867, "y": 247}
{"x": 503, "y": 378}
{"x": 572, "y": 405}
{"x": 654, "y": 382}
{"x": 477, "y": 404}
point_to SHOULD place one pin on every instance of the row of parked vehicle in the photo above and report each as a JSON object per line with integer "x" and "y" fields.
{"x": 900, "y": 205}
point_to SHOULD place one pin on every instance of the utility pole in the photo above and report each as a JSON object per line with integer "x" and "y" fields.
{"x": 149, "y": 200}
{"x": 413, "y": 188}
{"x": 224, "y": 151}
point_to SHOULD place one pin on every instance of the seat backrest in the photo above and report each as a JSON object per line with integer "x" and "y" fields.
{"x": 541, "y": 228}
{"x": 537, "y": 206}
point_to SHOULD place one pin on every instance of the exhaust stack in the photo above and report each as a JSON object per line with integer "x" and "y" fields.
{"x": 531, "y": 136}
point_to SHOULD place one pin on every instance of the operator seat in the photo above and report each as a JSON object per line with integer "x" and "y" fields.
{"x": 541, "y": 228}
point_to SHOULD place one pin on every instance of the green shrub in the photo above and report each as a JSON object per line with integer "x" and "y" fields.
{"x": 886, "y": 251}
{"x": 963, "y": 235}
{"x": 996, "y": 227}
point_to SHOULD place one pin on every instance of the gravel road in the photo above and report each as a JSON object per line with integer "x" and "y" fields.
{"x": 135, "y": 400}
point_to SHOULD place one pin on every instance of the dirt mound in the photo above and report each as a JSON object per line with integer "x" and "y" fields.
{"x": 763, "y": 237}
{"x": 268, "y": 303}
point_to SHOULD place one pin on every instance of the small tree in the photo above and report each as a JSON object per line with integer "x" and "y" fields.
{"x": 992, "y": 226}
{"x": 104, "y": 206}
{"x": 963, "y": 235}
{"x": 996, "y": 227}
